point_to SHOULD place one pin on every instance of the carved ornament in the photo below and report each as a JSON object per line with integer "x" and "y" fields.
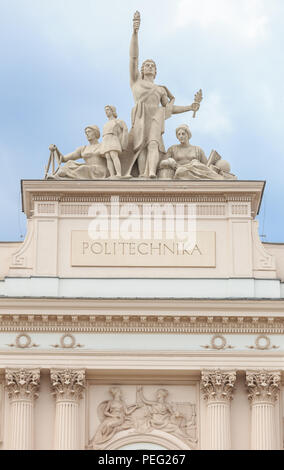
{"x": 67, "y": 384}
{"x": 218, "y": 342}
{"x": 145, "y": 416}
{"x": 197, "y": 323}
{"x": 263, "y": 386}
{"x": 263, "y": 343}
{"x": 22, "y": 383}
{"x": 23, "y": 341}
{"x": 218, "y": 385}
{"x": 67, "y": 341}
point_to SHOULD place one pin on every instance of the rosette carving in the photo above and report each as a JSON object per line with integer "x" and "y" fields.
{"x": 263, "y": 386}
{"x": 218, "y": 385}
{"x": 22, "y": 383}
{"x": 67, "y": 384}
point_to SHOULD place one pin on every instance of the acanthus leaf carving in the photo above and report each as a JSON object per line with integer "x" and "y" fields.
{"x": 22, "y": 383}
{"x": 67, "y": 384}
{"x": 263, "y": 386}
{"x": 217, "y": 385}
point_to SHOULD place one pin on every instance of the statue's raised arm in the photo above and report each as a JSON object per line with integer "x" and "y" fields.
{"x": 134, "y": 49}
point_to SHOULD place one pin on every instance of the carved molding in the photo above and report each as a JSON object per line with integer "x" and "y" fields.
{"x": 263, "y": 386}
{"x": 190, "y": 324}
{"x": 23, "y": 341}
{"x": 218, "y": 385}
{"x": 144, "y": 191}
{"x": 202, "y": 210}
{"x": 218, "y": 342}
{"x": 263, "y": 343}
{"x": 67, "y": 341}
{"x": 67, "y": 384}
{"x": 22, "y": 383}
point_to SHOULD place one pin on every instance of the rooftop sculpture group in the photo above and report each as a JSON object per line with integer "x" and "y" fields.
{"x": 141, "y": 151}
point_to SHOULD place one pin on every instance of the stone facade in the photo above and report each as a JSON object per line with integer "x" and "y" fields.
{"x": 183, "y": 352}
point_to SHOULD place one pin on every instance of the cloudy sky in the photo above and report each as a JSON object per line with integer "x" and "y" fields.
{"x": 62, "y": 61}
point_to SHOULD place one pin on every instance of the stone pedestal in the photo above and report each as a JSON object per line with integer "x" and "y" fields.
{"x": 22, "y": 385}
{"x": 68, "y": 386}
{"x": 263, "y": 389}
{"x": 217, "y": 388}
{"x": 143, "y": 228}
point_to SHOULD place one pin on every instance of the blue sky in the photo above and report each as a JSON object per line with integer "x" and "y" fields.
{"x": 62, "y": 61}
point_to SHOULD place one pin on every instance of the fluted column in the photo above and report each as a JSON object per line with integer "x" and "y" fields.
{"x": 263, "y": 391}
{"x": 68, "y": 386}
{"x": 217, "y": 388}
{"x": 22, "y": 385}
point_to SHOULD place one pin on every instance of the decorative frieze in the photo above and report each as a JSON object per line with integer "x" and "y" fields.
{"x": 67, "y": 384}
{"x": 263, "y": 386}
{"x": 22, "y": 383}
{"x": 199, "y": 324}
{"x": 218, "y": 385}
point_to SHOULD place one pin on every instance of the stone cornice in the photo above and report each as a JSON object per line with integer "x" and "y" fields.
{"x": 221, "y": 307}
{"x": 22, "y": 383}
{"x": 84, "y": 190}
{"x": 142, "y": 316}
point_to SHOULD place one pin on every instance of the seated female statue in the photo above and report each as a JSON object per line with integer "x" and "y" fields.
{"x": 187, "y": 161}
{"x": 95, "y": 166}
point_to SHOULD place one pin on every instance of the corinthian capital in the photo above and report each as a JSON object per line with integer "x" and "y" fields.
{"x": 218, "y": 385}
{"x": 67, "y": 384}
{"x": 22, "y": 383}
{"x": 263, "y": 385}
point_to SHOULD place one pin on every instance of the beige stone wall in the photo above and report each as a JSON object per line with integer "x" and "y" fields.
{"x": 6, "y": 252}
{"x": 277, "y": 250}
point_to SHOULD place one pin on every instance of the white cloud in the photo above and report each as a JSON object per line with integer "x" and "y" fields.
{"x": 246, "y": 19}
{"x": 214, "y": 119}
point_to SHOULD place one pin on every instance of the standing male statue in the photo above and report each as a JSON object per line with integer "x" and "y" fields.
{"x": 154, "y": 104}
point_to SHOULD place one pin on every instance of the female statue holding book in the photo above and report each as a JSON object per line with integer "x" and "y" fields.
{"x": 186, "y": 161}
